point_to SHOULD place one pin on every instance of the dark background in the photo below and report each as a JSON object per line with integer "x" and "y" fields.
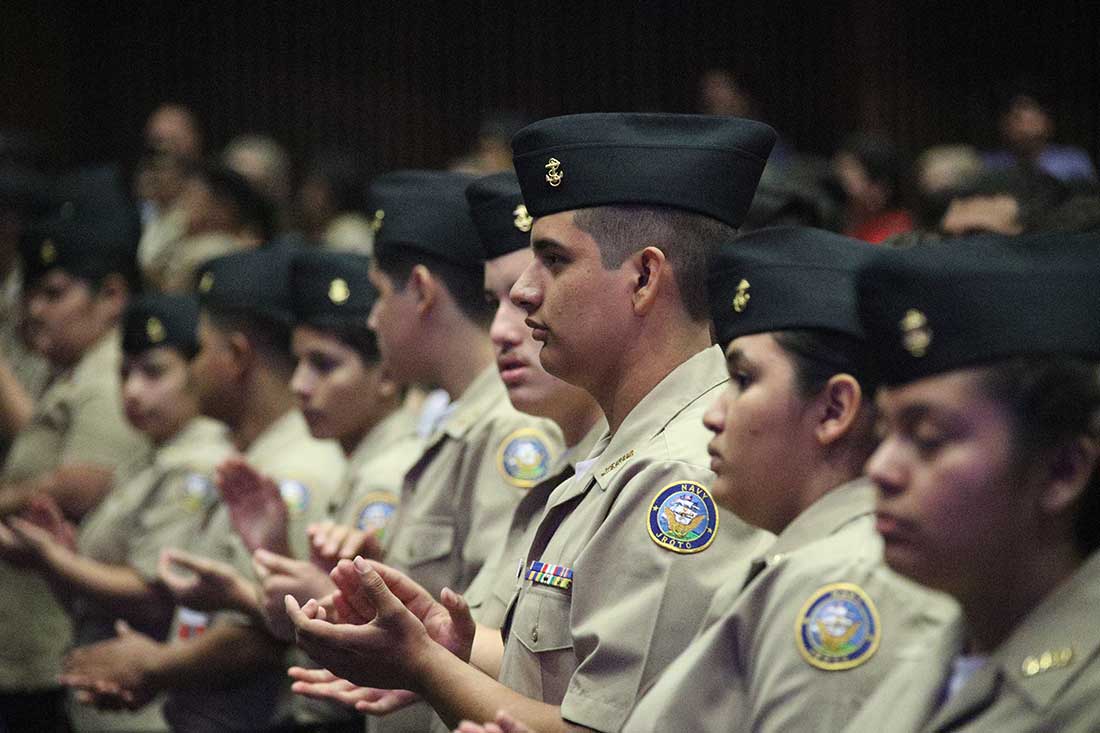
{"x": 407, "y": 82}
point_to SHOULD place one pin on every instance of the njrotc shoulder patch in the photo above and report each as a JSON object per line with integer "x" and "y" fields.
{"x": 375, "y": 511}
{"x": 683, "y": 517}
{"x": 523, "y": 458}
{"x": 296, "y": 496}
{"x": 198, "y": 493}
{"x": 838, "y": 627}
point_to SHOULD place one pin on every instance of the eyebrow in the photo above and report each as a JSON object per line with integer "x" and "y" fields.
{"x": 542, "y": 244}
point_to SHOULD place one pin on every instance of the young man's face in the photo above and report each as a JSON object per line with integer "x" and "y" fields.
{"x": 65, "y": 316}
{"x": 576, "y": 307}
{"x": 530, "y": 388}
{"x": 394, "y": 321}
{"x": 213, "y": 372}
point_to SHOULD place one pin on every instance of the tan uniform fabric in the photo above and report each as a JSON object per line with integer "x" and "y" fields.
{"x": 77, "y": 420}
{"x": 180, "y": 261}
{"x": 108, "y": 534}
{"x": 634, "y": 604}
{"x": 350, "y": 232}
{"x": 457, "y": 500}
{"x": 746, "y": 671}
{"x": 309, "y": 472}
{"x": 1044, "y": 677}
{"x": 161, "y": 235}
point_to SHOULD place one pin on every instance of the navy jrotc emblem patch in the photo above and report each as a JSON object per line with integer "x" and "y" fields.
{"x": 296, "y": 496}
{"x": 375, "y": 511}
{"x": 198, "y": 492}
{"x": 523, "y": 458}
{"x": 838, "y": 627}
{"x": 683, "y": 517}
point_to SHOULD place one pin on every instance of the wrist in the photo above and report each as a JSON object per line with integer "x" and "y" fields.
{"x": 428, "y": 662}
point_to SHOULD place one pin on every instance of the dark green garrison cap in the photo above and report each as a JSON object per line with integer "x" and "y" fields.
{"x": 161, "y": 320}
{"x": 424, "y": 211}
{"x": 330, "y": 286}
{"x": 256, "y": 282}
{"x": 500, "y": 215}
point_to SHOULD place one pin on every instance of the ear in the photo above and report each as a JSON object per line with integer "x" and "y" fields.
{"x": 388, "y": 388}
{"x": 242, "y": 352}
{"x": 1069, "y": 468}
{"x": 840, "y": 402}
{"x": 424, "y": 287}
{"x": 650, "y": 271}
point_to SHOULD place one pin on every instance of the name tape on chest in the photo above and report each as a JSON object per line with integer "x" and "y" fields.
{"x": 838, "y": 628}
{"x": 683, "y": 518}
{"x": 523, "y": 458}
{"x": 544, "y": 573}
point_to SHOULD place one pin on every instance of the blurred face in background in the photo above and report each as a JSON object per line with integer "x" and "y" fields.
{"x": 66, "y": 316}
{"x": 156, "y": 392}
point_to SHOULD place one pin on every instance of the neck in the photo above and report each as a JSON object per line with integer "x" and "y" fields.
{"x": 999, "y": 601}
{"x": 266, "y": 400}
{"x": 349, "y": 443}
{"x": 576, "y": 422}
{"x": 651, "y": 357}
{"x": 460, "y": 355}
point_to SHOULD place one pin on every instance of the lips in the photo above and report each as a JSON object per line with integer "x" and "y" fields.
{"x": 539, "y": 332}
{"x": 889, "y": 526}
{"x": 511, "y": 369}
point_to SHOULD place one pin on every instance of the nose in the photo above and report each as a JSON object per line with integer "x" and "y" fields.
{"x": 507, "y": 329}
{"x": 886, "y": 467}
{"x": 300, "y": 382}
{"x": 526, "y": 292}
{"x": 714, "y": 419}
{"x": 36, "y": 305}
{"x": 372, "y": 318}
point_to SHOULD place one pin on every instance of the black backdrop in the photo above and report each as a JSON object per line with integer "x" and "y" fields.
{"x": 406, "y": 82}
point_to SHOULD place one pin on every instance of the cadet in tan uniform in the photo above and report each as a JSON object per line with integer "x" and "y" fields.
{"x": 626, "y": 213}
{"x": 98, "y": 578}
{"x": 222, "y": 671}
{"x": 77, "y": 271}
{"x": 987, "y": 478}
{"x": 820, "y": 621}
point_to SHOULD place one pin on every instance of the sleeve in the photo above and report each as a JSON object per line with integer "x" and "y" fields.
{"x": 97, "y": 430}
{"x": 638, "y": 602}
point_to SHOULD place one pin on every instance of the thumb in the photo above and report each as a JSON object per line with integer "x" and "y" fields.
{"x": 123, "y": 629}
{"x": 373, "y": 589}
{"x": 456, "y": 605}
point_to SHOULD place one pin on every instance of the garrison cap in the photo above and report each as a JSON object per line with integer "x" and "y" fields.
{"x": 975, "y": 300}
{"x": 786, "y": 278}
{"x": 161, "y": 320}
{"x": 426, "y": 212}
{"x": 497, "y": 208}
{"x": 330, "y": 287}
{"x": 255, "y": 282}
{"x": 700, "y": 163}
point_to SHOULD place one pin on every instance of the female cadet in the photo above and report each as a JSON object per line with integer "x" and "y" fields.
{"x": 110, "y": 570}
{"x": 987, "y": 481}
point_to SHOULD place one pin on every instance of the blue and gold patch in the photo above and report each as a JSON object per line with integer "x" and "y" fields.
{"x": 838, "y": 627}
{"x": 296, "y": 496}
{"x": 523, "y": 458}
{"x": 198, "y": 493}
{"x": 683, "y": 517}
{"x": 376, "y": 509}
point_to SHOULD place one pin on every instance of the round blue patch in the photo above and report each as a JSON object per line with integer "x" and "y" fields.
{"x": 683, "y": 517}
{"x": 198, "y": 493}
{"x": 838, "y": 627}
{"x": 296, "y": 496}
{"x": 523, "y": 458}
{"x": 375, "y": 511}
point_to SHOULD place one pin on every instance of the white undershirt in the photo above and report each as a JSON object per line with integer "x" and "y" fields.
{"x": 962, "y": 669}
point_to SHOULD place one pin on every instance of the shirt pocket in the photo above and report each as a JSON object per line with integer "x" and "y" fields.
{"x": 541, "y": 625}
{"x": 428, "y": 542}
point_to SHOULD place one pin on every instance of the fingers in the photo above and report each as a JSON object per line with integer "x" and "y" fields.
{"x": 386, "y": 701}
{"x": 508, "y": 724}
{"x": 272, "y": 562}
{"x": 302, "y": 674}
{"x": 459, "y": 609}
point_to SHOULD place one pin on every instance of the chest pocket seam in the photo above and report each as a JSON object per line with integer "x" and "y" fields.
{"x": 540, "y": 627}
{"x": 429, "y": 542}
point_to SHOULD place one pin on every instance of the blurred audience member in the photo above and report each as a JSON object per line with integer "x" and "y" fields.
{"x": 868, "y": 170}
{"x": 940, "y": 171}
{"x": 1011, "y": 202}
{"x": 1027, "y": 128}
{"x": 330, "y": 204}
{"x": 266, "y": 165}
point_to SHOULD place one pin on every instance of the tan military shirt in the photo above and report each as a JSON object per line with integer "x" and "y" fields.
{"x": 458, "y": 498}
{"x": 808, "y": 640}
{"x": 78, "y": 419}
{"x": 309, "y": 473}
{"x": 626, "y": 558}
{"x": 1044, "y": 677}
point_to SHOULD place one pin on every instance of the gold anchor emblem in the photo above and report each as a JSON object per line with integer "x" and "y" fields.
{"x": 554, "y": 173}
{"x": 915, "y": 333}
{"x": 741, "y": 297}
{"x": 338, "y": 291}
{"x": 523, "y": 220}
{"x": 154, "y": 329}
{"x": 48, "y": 253}
{"x": 376, "y": 222}
{"x": 206, "y": 282}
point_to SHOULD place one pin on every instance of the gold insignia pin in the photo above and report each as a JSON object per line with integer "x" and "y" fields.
{"x": 523, "y": 220}
{"x": 916, "y": 336}
{"x": 741, "y": 297}
{"x": 1048, "y": 660}
{"x": 338, "y": 291}
{"x": 48, "y": 253}
{"x": 154, "y": 329}
{"x": 554, "y": 173}
{"x": 376, "y": 222}
{"x": 206, "y": 282}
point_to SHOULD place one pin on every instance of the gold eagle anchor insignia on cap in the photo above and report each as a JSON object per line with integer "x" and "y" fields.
{"x": 206, "y": 282}
{"x": 48, "y": 252}
{"x": 741, "y": 297}
{"x": 522, "y": 220}
{"x": 554, "y": 173}
{"x": 916, "y": 336}
{"x": 154, "y": 329}
{"x": 338, "y": 291}
{"x": 376, "y": 220}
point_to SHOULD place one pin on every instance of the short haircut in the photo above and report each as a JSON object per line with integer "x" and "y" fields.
{"x": 818, "y": 354}
{"x": 465, "y": 284}
{"x": 351, "y": 332}
{"x": 1053, "y": 399}
{"x": 269, "y": 336}
{"x": 687, "y": 239}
